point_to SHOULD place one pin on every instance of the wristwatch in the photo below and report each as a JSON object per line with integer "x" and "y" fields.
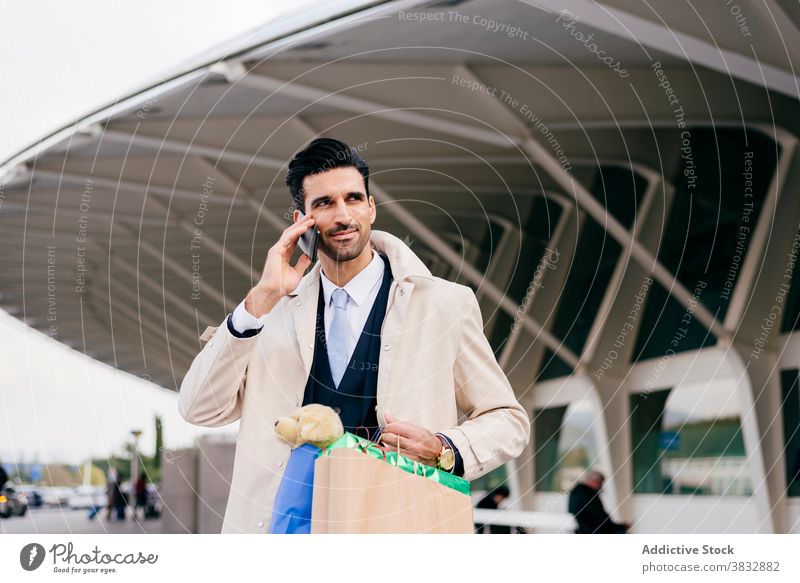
{"x": 446, "y": 460}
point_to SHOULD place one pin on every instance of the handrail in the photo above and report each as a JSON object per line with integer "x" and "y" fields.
{"x": 559, "y": 522}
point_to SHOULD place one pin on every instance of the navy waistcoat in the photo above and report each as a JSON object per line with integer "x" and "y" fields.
{"x": 355, "y": 399}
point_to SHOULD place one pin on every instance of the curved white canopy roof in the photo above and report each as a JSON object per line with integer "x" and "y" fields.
{"x": 470, "y": 114}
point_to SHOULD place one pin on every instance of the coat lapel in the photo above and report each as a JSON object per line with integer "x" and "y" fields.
{"x": 389, "y": 360}
{"x": 303, "y": 306}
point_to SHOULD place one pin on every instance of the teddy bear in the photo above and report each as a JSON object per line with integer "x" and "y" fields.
{"x": 314, "y": 424}
{"x": 308, "y": 430}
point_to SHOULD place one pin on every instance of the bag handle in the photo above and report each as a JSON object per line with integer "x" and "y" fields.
{"x": 415, "y": 463}
{"x": 362, "y": 447}
{"x": 421, "y": 469}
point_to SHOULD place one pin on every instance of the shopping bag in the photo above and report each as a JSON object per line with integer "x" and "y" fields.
{"x": 371, "y": 448}
{"x": 291, "y": 513}
{"x": 355, "y": 492}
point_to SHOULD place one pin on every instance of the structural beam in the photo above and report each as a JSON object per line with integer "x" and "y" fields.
{"x": 130, "y": 186}
{"x": 142, "y": 277}
{"x": 190, "y": 148}
{"x": 524, "y": 140}
{"x": 674, "y": 42}
{"x": 754, "y": 259}
{"x": 161, "y": 256}
{"x": 133, "y": 298}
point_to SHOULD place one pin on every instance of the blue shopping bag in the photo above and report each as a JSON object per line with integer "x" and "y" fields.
{"x": 291, "y": 513}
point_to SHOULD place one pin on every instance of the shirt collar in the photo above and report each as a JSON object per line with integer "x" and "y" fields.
{"x": 359, "y": 287}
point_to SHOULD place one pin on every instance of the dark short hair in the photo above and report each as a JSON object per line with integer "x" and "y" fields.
{"x": 320, "y": 155}
{"x": 501, "y": 490}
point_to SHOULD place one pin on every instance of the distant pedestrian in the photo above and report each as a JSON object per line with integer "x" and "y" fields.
{"x": 492, "y": 501}
{"x": 116, "y": 497}
{"x": 141, "y": 496}
{"x": 585, "y": 504}
{"x": 111, "y": 478}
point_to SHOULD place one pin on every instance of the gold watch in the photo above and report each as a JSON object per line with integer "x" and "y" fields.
{"x": 446, "y": 460}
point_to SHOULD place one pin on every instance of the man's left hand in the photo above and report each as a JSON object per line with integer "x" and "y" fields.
{"x": 416, "y": 443}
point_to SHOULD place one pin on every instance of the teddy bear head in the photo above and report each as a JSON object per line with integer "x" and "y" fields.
{"x": 315, "y": 424}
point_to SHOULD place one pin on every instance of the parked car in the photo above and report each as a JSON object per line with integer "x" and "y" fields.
{"x": 56, "y": 495}
{"x": 34, "y": 494}
{"x": 12, "y": 503}
{"x": 34, "y": 498}
{"x": 88, "y": 497}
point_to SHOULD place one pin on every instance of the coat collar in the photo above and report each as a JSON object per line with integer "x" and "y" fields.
{"x": 404, "y": 262}
{"x": 360, "y": 285}
{"x": 406, "y": 267}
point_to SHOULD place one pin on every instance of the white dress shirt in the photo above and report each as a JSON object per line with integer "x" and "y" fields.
{"x": 362, "y": 289}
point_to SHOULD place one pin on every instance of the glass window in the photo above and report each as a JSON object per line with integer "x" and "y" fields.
{"x": 491, "y": 480}
{"x": 565, "y": 445}
{"x": 791, "y": 315}
{"x": 488, "y": 246}
{"x": 688, "y": 440}
{"x": 720, "y": 189}
{"x": 595, "y": 259}
{"x": 537, "y": 233}
{"x": 791, "y": 429}
{"x": 647, "y": 411}
{"x": 668, "y": 327}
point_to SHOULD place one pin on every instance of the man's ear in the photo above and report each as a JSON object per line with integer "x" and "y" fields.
{"x": 295, "y": 215}
{"x": 373, "y": 211}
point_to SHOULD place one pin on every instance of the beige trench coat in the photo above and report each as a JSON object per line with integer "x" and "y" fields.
{"x": 435, "y": 365}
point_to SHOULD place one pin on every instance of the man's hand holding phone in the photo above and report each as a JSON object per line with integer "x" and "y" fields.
{"x": 279, "y": 277}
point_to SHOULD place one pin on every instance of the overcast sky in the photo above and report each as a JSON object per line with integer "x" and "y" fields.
{"x": 59, "y": 61}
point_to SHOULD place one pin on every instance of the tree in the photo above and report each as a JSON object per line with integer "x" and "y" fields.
{"x": 159, "y": 442}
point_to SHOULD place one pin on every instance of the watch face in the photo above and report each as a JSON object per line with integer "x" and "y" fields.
{"x": 448, "y": 460}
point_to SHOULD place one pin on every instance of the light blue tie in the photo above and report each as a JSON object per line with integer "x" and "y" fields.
{"x": 337, "y": 337}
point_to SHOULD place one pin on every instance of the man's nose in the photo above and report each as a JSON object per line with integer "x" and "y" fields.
{"x": 342, "y": 214}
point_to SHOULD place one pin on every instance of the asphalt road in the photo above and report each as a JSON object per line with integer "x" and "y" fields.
{"x": 67, "y": 521}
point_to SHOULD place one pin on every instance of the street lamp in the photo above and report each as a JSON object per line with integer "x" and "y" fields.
{"x": 135, "y": 457}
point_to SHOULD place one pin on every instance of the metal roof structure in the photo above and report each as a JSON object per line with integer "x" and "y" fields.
{"x": 495, "y": 130}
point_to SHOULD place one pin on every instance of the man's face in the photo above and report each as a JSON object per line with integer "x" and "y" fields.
{"x": 342, "y": 213}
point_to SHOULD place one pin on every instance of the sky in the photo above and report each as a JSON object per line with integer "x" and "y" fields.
{"x": 59, "y": 406}
{"x": 61, "y": 60}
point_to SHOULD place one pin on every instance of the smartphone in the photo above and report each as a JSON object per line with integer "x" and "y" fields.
{"x": 308, "y": 241}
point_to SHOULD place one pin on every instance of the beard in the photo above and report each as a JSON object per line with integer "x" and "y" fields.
{"x": 344, "y": 251}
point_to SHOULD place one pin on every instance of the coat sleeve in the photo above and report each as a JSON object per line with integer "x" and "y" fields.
{"x": 497, "y": 428}
{"x": 212, "y": 391}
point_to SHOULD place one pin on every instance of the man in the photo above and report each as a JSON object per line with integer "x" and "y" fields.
{"x": 140, "y": 491}
{"x": 585, "y": 504}
{"x": 3, "y": 477}
{"x": 368, "y": 331}
{"x": 492, "y": 501}
{"x": 111, "y": 483}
